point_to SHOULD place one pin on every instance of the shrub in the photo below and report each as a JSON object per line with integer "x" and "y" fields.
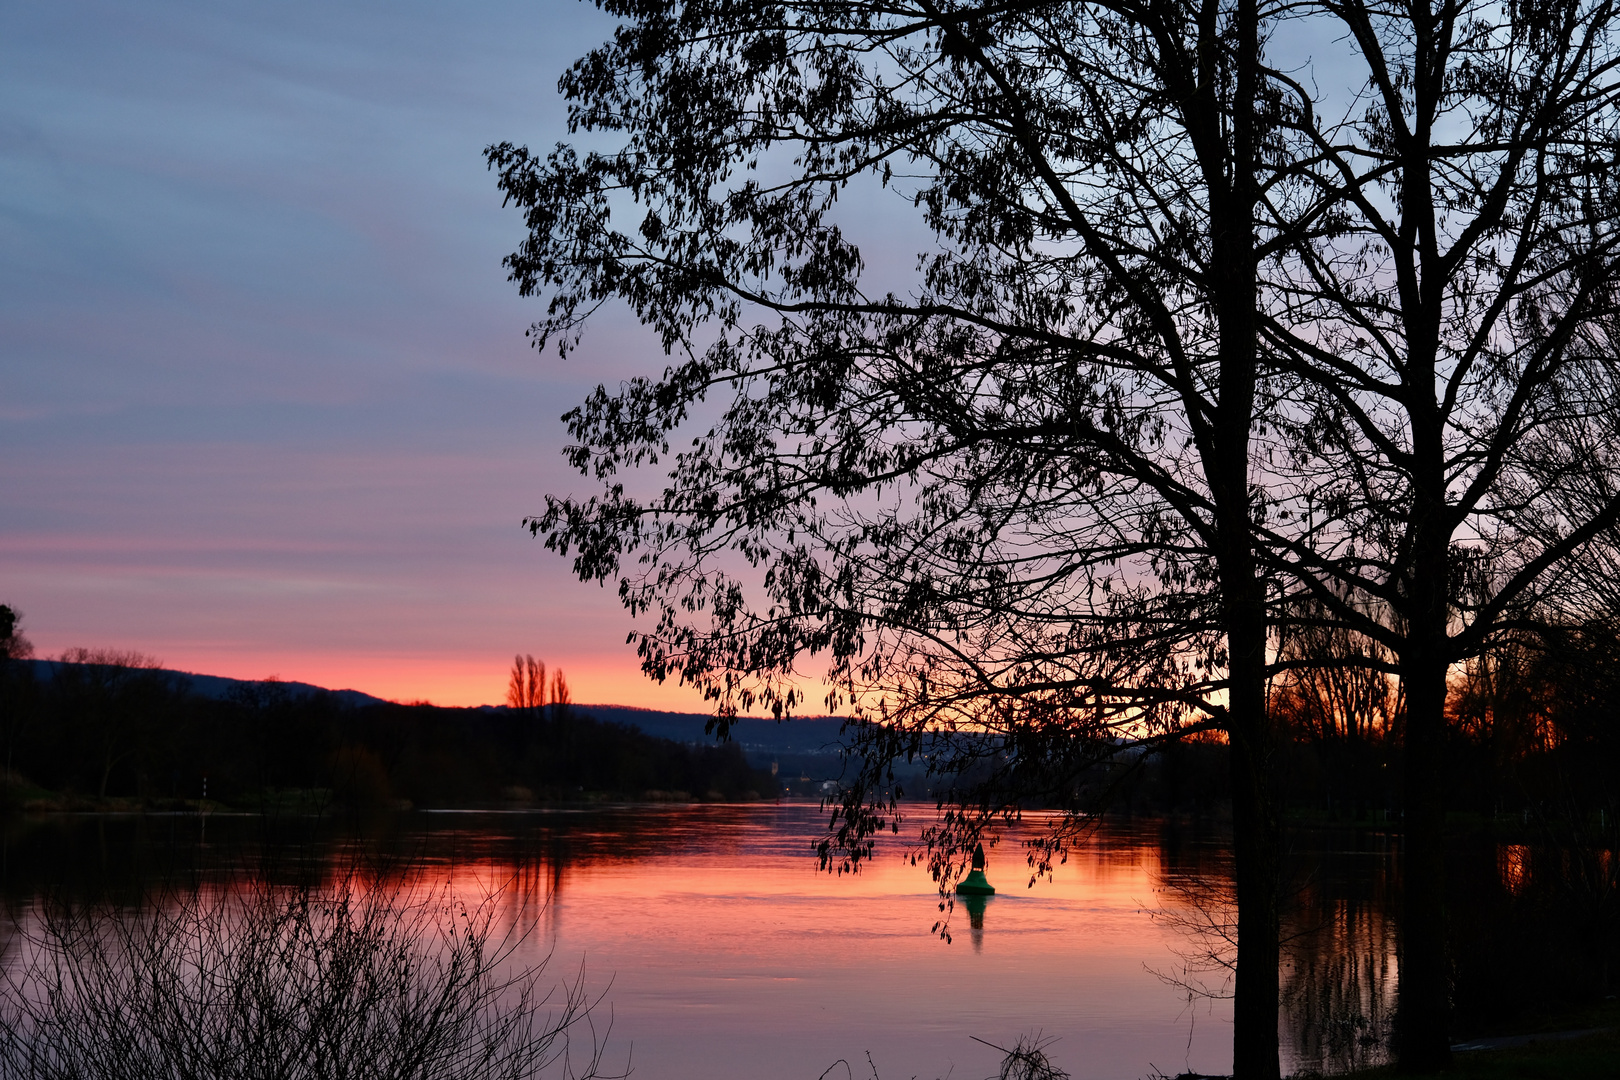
{"x": 356, "y": 980}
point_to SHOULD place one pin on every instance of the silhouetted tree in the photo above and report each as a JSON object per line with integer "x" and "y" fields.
{"x": 1452, "y": 448}
{"x": 1010, "y": 503}
{"x": 115, "y": 701}
{"x": 561, "y": 698}
{"x": 1184, "y": 339}
{"x": 271, "y": 737}
{"x": 526, "y": 692}
{"x": 14, "y": 645}
{"x": 526, "y": 688}
{"x": 1333, "y": 693}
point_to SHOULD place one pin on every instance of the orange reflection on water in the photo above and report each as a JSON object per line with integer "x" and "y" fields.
{"x": 725, "y": 953}
{"x": 722, "y": 952}
{"x": 1513, "y": 863}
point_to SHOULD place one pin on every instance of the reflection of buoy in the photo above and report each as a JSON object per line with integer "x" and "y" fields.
{"x": 975, "y": 884}
{"x": 975, "y": 905}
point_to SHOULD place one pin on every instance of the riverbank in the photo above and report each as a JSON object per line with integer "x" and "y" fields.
{"x": 1581, "y": 1044}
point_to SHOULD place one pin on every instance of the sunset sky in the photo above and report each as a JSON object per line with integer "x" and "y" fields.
{"x": 266, "y": 406}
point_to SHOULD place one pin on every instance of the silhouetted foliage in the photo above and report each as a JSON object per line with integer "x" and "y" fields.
{"x": 14, "y": 645}
{"x": 1537, "y": 734}
{"x": 115, "y": 706}
{"x": 1450, "y": 447}
{"x": 1008, "y": 502}
{"x": 526, "y": 687}
{"x": 357, "y": 979}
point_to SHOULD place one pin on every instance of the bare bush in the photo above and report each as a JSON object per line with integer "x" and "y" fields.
{"x": 357, "y": 980}
{"x": 1026, "y": 1060}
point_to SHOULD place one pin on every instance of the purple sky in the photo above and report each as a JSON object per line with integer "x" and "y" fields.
{"x": 266, "y": 406}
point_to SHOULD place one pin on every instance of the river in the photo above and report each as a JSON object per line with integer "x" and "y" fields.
{"x": 722, "y": 953}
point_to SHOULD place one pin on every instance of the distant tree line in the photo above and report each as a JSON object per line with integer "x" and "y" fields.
{"x": 1532, "y": 737}
{"x": 114, "y": 725}
{"x": 1530, "y": 770}
{"x": 1532, "y": 763}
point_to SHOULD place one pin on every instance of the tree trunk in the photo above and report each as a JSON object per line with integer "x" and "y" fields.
{"x": 1423, "y": 1015}
{"x": 1256, "y": 835}
{"x": 1422, "y": 1022}
{"x": 1256, "y": 850}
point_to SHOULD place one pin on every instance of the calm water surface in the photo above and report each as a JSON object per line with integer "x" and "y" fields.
{"x": 723, "y": 952}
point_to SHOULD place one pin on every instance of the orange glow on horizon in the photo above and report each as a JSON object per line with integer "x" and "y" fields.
{"x": 449, "y": 681}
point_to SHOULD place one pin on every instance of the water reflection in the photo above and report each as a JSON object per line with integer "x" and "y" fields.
{"x": 714, "y": 929}
{"x": 710, "y": 928}
{"x": 1340, "y": 961}
{"x": 975, "y": 906}
{"x": 1513, "y": 862}
{"x": 1339, "y": 950}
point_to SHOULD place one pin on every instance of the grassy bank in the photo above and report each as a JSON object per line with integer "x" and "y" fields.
{"x": 1546, "y": 1054}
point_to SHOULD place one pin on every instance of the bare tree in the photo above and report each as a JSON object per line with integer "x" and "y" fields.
{"x": 116, "y": 699}
{"x": 561, "y": 697}
{"x": 362, "y": 979}
{"x": 526, "y": 689}
{"x": 1332, "y": 690}
{"x": 1458, "y": 394}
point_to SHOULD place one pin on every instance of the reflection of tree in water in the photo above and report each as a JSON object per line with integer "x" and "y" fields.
{"x": 1339, "y": 949}
{"x": 1339, "y": 964}
{"x": 124, "y": 857}
{"x": 1339, "y": 970}
{"x": 521, "y": 862}
{"x": 1198, "y": 900}
{"x": 1202, "y": 909}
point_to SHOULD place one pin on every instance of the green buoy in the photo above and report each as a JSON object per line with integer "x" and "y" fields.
{"x": 975, "y": 884}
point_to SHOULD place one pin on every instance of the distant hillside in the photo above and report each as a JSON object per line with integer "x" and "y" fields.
{"x": 218, "y": 688}
{"x": 807, "y": 746}
{"x": 801, "y": 747}
{"x": 100, "y": 735}
{"x": 802, "y": 735}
